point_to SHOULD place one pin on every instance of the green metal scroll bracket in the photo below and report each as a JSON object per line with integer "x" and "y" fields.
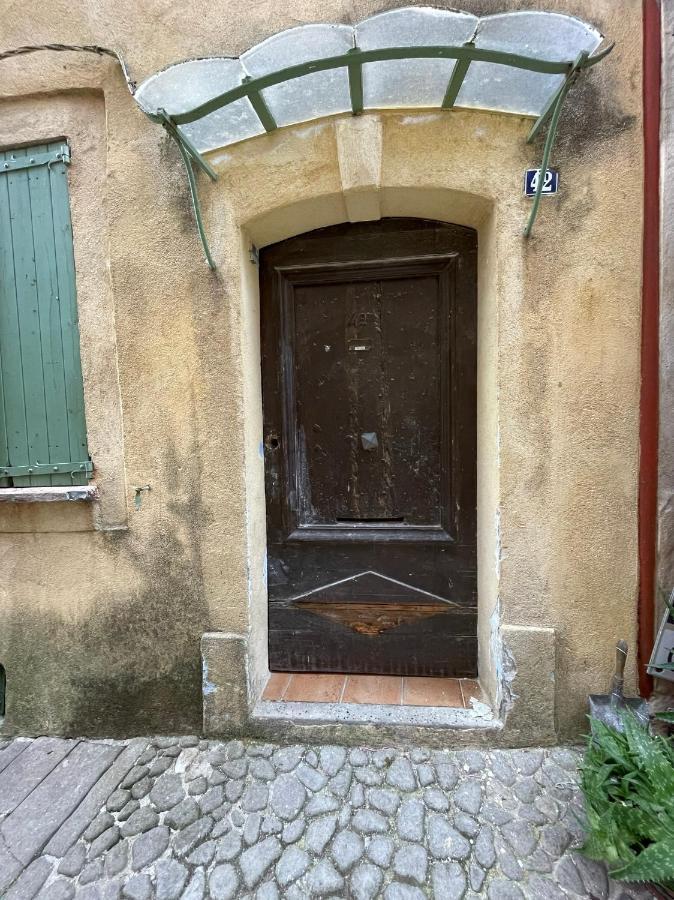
{"x": 191, "y": 155}
{"x": 553, "y": 109}
{"x": 576, "y": 66}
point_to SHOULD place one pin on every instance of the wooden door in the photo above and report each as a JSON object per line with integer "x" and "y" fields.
{"x": 369, "y": 397}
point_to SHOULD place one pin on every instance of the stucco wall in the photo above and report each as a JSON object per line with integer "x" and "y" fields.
{"x": 102, "y": 609}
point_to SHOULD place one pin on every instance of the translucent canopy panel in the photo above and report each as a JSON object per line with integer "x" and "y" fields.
{"x": 184, "y": 86}
{"x": 411, "y": 82}
{"x": 313, "y": 95}
{"x": 539, "y": 35}
{"x": 404, "y": 58}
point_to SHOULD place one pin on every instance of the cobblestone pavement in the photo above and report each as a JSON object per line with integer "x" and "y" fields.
{"x": 185, "y": 818}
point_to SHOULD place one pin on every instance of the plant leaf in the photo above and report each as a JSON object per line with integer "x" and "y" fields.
{"x": 627, "y": 778}
{"x": 655, "y": 863}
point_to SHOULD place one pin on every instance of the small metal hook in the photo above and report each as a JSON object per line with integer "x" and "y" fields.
{"x": 137, "y": 500}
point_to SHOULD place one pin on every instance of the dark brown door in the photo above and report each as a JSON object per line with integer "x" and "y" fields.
{"x": 369, "y": 395}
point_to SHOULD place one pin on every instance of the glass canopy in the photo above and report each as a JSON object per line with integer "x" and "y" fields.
{"x": 417, "y": 57}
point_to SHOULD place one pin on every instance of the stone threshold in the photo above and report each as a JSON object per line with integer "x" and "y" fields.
{"x": 374, "y": 709}
{"x": 374, "y": 725}
{"x": 478, "y": 717}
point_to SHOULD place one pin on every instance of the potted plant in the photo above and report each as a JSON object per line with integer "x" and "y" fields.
{"x": 627, "y": 778}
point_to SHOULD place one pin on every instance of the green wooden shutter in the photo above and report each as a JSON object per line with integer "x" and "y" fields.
{"x": 43, "y": 436}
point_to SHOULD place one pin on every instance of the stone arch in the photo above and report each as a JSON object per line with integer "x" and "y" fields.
{"x": 364, "y": 198}
{"x": 359, "y": 170}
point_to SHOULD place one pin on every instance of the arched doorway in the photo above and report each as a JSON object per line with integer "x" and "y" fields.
{"x": 369, "y": 373}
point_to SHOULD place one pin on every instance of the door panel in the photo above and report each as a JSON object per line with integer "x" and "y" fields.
{"x": 368, "y": 340}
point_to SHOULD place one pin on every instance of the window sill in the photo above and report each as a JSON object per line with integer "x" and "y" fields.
{"x": 56, "y": 494}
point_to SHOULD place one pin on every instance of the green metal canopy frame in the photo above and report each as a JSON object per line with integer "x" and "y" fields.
{"x": 353, "y": 61}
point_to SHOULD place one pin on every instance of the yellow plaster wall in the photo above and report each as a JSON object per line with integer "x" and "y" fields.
{"x": 101, "y": 615}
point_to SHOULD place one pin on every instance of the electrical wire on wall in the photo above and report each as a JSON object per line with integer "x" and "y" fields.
{"x": 78, "y": 48}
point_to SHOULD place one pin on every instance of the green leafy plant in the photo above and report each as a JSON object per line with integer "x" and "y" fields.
{"x": 628, "y": 782}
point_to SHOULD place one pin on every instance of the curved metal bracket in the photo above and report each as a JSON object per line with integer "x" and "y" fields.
{"x": 555, "y": 108}
{"x": 191, "y": 155}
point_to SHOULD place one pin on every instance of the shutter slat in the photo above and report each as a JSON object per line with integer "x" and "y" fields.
{"x": 6, "y": 265}
{"x": 10, "y": 346}
{"x": 63, "y": 241}
{"x": 4, "y": 448}
{"x": 48, "y": 299}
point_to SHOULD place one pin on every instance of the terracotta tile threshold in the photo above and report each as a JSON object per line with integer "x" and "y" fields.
{"x": 384, "y": 690}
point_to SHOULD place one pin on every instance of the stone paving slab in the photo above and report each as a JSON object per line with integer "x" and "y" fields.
{"x": 11, "y": 750}
{"x": 28, "y": 769}
{"x": 30, "y": 825}
{"x": 69, "y": 831}
{"x": 169, "y": 818}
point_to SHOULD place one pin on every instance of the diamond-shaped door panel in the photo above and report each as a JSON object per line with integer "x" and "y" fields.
{"x": 370, "y": 586}
{"x": 370, "y": 603}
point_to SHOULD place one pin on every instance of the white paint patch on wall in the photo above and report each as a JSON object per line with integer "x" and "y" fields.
{"x": 420, "y": 119}
{"x": 207, "y": 686}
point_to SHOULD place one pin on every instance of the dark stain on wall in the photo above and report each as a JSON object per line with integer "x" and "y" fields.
{"x": 591, "y": 115}
{"x": 133, "y": 666}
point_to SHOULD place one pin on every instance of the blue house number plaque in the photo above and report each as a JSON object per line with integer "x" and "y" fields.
{"x": 550, "y": 182}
